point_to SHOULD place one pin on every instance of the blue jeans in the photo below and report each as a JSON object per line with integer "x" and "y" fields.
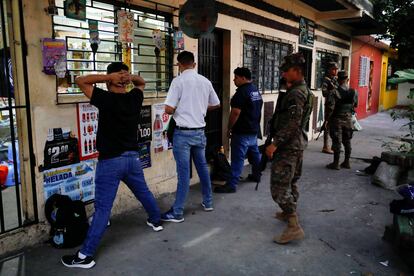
{"x": 240, "y": 144}
{"x": 109, "y": 172}
{"x": 186, "y": 143}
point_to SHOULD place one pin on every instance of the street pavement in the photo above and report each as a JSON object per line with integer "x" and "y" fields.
{"x": 342, "y": 213}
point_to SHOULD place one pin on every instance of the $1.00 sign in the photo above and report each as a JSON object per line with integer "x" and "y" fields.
{"x": 144, "y": 126}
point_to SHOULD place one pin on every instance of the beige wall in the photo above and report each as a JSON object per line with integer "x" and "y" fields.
{"x": 46, "y": 114}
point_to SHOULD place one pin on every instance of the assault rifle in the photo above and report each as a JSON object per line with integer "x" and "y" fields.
{"x": 323, "y": 128}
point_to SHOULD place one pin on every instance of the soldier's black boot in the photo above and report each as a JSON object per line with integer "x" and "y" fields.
{"x": 346, "y": 164}
{"x": 335, "y": 164}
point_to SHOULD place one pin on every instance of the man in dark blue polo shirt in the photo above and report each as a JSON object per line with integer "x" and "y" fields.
{"x": 243, "y": 127}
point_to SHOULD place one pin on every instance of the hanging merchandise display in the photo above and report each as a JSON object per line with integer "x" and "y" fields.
{"x": 126, "y": 55}
{"x": 87, "y": 129}
{"x": 157, "y": 37}
{"x": 159, "y": 129}
{"x": 75, "y": 9}
{"x": 52, "y": 9}
{"x": 94, "y": 35}
{"x": 54, "y": 56}
{"x": 198, "y": 17}
{"x": 178, "y": 41}
{"x": 125, "y": 26}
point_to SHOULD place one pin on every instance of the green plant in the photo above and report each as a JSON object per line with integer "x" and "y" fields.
{"x": 403, "y": 77}
{"x": 397, "y": 19}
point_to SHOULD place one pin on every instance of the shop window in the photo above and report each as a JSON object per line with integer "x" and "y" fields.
{"x": 364, "y": 71}
{"x": 391, "y": 69}
{"x": 322, "y": 60}
{"x": 157, "y": 70}
{"x": 263, "y": 57}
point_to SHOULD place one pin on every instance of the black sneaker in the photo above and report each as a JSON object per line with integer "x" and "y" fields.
{"x": 250, "y": 178}
{"x": 170, "y": 216}
{"x": 156, "y": 226}
{"x": 224, "y": 189}
{"x": 75, "y": 261}
{"x": 253, "y": 178}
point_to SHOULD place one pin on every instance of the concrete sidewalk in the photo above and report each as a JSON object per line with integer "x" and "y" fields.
{"x": 343, "y": 216}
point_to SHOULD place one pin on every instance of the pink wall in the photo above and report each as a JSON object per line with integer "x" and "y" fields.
{"x": 359, "y": 49}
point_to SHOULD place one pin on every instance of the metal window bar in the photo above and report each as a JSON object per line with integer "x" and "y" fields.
{"x": 263, "y": 57}
{"x": 32, "y": 159}
{"x": 157, "y": 18}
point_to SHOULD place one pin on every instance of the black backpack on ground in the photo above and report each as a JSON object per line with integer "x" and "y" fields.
{"x": 221, "y": 167}
{"x": 69, "y": 224}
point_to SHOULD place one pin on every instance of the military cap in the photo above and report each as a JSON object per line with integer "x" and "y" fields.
{"x": 291, "y": 60}
{"x": 342, "y": 75}
{"x": 332, "y": 64}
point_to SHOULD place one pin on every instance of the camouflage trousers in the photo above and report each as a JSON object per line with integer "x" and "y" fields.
{"x": 340, "y": 130}
{"x": 286, "y": 171}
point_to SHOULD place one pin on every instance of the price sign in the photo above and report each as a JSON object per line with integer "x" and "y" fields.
{"x": 144, "y": 126}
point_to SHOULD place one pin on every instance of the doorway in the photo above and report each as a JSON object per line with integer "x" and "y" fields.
{"x": 210, "y": 65}
{"x": 307, "y": 54}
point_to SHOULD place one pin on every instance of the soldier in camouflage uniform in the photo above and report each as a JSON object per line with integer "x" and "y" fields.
{"x": 338, "y": 113}
{"x": 329, "y": 86}
{"x": 290, "y": 127}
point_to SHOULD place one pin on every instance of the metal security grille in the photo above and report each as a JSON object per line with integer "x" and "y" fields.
{"x": 263, "y": 57}
{"x": 15, "y": 198}
{"x": 156, "y": 69}
{"x": 210, "y": 65}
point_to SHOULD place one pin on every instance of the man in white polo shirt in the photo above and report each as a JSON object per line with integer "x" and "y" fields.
{"x": 188, "y": 99}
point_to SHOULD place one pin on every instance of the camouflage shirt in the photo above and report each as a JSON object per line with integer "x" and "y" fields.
{"x": 329, "y": 86}
{"x": 339, "y": 108}
{"x": 288, "y": 123}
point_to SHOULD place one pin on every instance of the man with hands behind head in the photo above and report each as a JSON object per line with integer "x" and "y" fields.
{"x": 117, "y": 144}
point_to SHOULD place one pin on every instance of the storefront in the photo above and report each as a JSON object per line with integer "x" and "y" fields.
{"x": 17, "y": 183}
{"x": 389, "y": 91}
{"x": 57, "y": 134}
{"x": 365, "y": 75}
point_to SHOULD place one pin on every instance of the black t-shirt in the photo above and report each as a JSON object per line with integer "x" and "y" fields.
{"x": 248, "y": 99}
{"x": 119, "y": 115}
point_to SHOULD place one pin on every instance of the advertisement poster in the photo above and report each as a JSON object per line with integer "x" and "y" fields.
{"x": 61, "y": 148}
{"x": 87, "y": 129}
{"x": 93, "y": 32}
{"x": 178, "y": 41}
{"x": 125, "y": 26}
{"x": 159, "y": 128}
{"x": 144, "y": 150}
{"x": 75, "y": 9}
{"x": 54, "y": 52}
{"x": 144, "y": 127}
{"x": 76, "y": 181}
